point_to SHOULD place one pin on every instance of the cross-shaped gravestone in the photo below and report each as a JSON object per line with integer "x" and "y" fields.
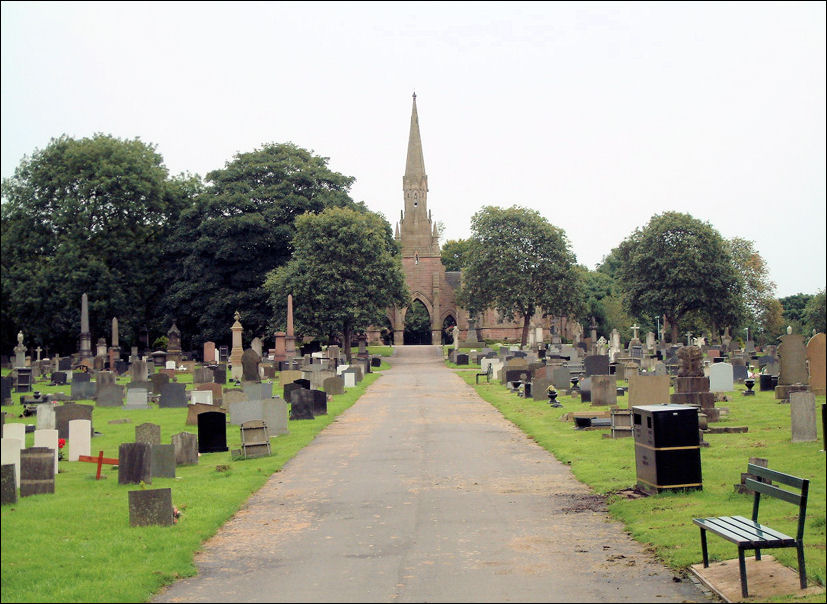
{"x": 688, "y": 335}
{"x": 38, "y": 350}
{"x": 634, "y": 331}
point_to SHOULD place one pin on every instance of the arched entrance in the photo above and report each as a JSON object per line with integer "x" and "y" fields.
{"x": 447, "y": 329}
{"x": 417, "y": 324}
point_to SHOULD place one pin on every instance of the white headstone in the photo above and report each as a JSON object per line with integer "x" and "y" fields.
{"x": 170, "y": 365}
{"x": 15, "y": 430}
{"x": 201, "y": 396}
{"x": 350, "y": 379}
{"x": 80, "y": 438}
{"x": 45, "y": 417}
{"x": 721, "y": 378}
{"x": 10, "y": 453}
{"x": 47, "y": 438}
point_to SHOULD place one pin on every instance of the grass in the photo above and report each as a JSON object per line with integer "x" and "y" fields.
{"x": 664, "y": 521}
{"x": 76, "y": 545}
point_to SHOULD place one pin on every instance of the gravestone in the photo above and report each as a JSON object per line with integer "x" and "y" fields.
{"x": 158, "y": 381}
{"x": 596, "y": 364}
{"x": 196, "y": 409}
{"x": 212, "y": 432}
{"x": 82, "y": 388}
{"x": 68, "y": 412}
{"x": 561, "y": 378}
{"x": 10, "y": 455}
{"x": 8, "y": 485}
{"x": 37, "y": 471}
{"x": 604, "y": 390}
{"x": 16, "y": 431}
{"x": 186, "y": 448}
{"x": 250, "y": 361}
{"x": 721, "y": 378}
{"x": 59, "y": 378}
{"x": 301, "y": 407}
{"x": 792, "y": 356}
{"x": 289, "y": 376}
{"x": 315, "y": 398}
{"x": 209, "y": 353}
{"x": 48, "y": 438}
{"x": 287, "y": 391}
{"x": 262, "y": 390}
{"x": 6, "y": 385}
{"x": 148, "y": 433}
{"x": 64, "y": 364}
{"x": 162, "y": 464}
{"x": 138, "y": 371}
{"x": 648, "y": 390}
{"x": 102, "y": 379}
{"x": 273, "y": 411}
{"x": 135, "y": 463}
{"x": 202, "y": 375}
{"x": 739, "y": 373}
{"x": 539, "y": 388}
{"x": 585, "y": 386}
{"x": 45, "y": 416}
{"x": 219, "y": 374}
{"x": 80, "y": 438}
{"x": 349, "y": 378}
{"x": 255, "y": 439}
{"x": 233, "y": 395}
{"x": 136, "y": 398}
{"x": 334, "y": 385}
{"x": 201, "y": 397}
{"x": 461, "y": 359}
{"x": 217, "y": 392}
{"x": 173, "y": 395}
{"x": 766, "y": 382}
{"x": 803, "y": 416}
{"x": 151, "y": 507}
{"x": 817, "y": 363}
{"x": 109, "y": 395}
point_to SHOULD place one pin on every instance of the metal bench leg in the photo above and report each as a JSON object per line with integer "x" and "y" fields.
{"x": 742, "y": 567}
{"x": 703, "y": 548}
{"x": 757, "y": 553}
{"x": 802, "y": 570}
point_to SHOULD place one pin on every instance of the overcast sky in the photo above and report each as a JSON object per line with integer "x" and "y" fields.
{"x": 598, "y": 115}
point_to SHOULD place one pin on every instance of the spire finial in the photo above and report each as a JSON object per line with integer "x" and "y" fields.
{"x": 414, "y": 95}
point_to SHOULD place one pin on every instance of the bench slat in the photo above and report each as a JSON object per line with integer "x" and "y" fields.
{"x": 739, "y": 530}
{"x": 772, "y": 491}
{"x": 725, "y": 528}
{"x": 763, "y": 528}
{"x": 793, "y": 481}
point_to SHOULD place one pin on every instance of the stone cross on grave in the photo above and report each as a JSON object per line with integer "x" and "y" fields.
{"x": 594, "y": 329}
{"x": 38, "y": 350}
{"x": 634, "y": 329}
{"x": 688, "y": 335}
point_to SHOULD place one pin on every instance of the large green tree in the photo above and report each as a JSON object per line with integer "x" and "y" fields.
{"x": 680, "y": 267}
{"x": 454, "y": 253}
{"x": 815, "y": 313}
{"x": 88, "y": 216}
{"x": 519, "y": 264}
{"x": 238, "y": 230}
{"x": 344, "y": 274}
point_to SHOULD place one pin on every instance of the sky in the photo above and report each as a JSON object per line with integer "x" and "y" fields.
{"x": 597, "y": 115}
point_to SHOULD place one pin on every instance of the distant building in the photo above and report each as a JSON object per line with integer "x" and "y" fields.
{"x": 427, "y": 279}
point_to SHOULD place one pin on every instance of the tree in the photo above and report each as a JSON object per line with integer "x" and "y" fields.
{"x": 238, "y": 230}
{"x": 85, "y": 216}
{"x": 454, "y": 253}
{"x": 518, "y": 263}
{"x": 815, "y": 313}
{"x": 794, "y": 307}
{"x": 344, "y": 274}
{"x": 677, "y": 265}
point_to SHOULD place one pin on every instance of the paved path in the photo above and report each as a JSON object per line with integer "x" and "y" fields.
{"x": 423, "y": 492}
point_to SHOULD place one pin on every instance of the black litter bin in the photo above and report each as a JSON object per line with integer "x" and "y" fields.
{"x": 667, "y": 447}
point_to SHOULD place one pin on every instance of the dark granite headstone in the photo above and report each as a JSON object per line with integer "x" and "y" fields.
{"x": 163, "y": 461}
{"x": 219, "y": 374}
{"x": 24, "y": 379}
{"x": 462, "y": 359}
{"x": 6, "y": 384}
{"x": 158, "y": 380}
{"x": 585, "y": 386}
{"x": 37, "y": 471}
{"x": 202, "y": 375}
{"x": 289, "y": 388}
{"x": 59, "y": 378}
{"x": 212, "y": 432}
{"x": 173, "y": 395}
{"x": 134, "y": 463}
{"x": 82, "y": 388}
{"x": 301, "y": 405}
{"x": 250, "y": 360}
{"x": 8, "y": 485}
{"x": 67, "y": 412}
{"x": 65, "y": 364}
{"x": 739, "y": 373}
{"x": 765, "y": 382}
{"x": 151, "y": 507}
{"x": 596, "y": 364}
{"x": 303, "y": 383}
{"x": 121, "y": 367}
{"x": 186, "y": 448}
{"x": 376, "y": 361}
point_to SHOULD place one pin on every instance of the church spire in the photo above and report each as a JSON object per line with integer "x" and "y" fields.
{"x": 415, "y": 163}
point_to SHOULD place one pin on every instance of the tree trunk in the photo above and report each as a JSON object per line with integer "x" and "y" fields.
{"x": 347, "y": 333}
{"x": 675, "y": 339}
{"x": 524, "y": 338}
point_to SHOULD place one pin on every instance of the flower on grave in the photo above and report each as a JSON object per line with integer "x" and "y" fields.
{"x": 61, "y": 442}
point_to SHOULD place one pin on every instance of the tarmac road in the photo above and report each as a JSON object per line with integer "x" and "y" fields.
{"x": 423, "y": 492}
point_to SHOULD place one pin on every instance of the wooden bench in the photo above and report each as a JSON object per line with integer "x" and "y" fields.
{"x": 486, "y": 374}
{"x": 749, "y": 534}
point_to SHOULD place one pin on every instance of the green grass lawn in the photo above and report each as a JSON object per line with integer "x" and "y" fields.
{"x": 664, "y": 521}
{"x": 76, "y": 545}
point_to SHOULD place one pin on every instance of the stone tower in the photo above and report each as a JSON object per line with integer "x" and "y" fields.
{"x": 419, "y": 238}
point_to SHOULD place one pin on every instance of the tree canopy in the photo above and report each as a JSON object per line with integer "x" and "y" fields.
{"x": 344, "y": 274}
{"x": 85, "y": 216}
{"x": 678, "y": 266}
{"x": 518, "y": 263}
{"x": 238, "y": 230}
{"x": 454, "y": 253}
